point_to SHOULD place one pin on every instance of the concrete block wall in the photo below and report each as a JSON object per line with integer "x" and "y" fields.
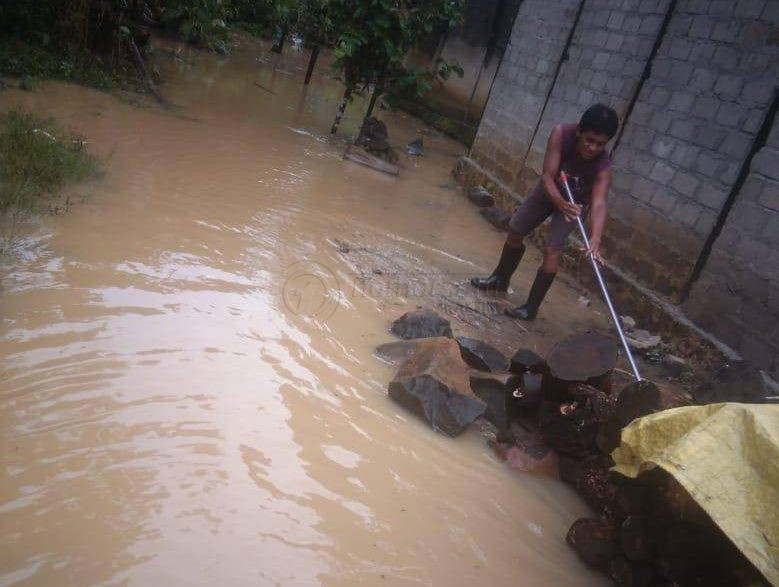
{"x": 609, "y": 50}
{"x": 737, "y": 295}
{"x": 686, "y": 139}
{"x": 521, "y": 84}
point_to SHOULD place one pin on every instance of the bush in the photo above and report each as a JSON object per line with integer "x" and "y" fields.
{"x": 36, "y": 160}
{"x": 202, "y": 22}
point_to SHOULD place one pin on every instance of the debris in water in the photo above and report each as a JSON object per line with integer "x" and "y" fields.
{"x": 642, "y": 340}
{"x": 415, "y": 148}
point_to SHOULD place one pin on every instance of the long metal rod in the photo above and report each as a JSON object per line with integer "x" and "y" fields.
{"x": 602, "y": 283}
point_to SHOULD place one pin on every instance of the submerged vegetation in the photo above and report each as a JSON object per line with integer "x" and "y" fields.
{"x": 37, "y": 159}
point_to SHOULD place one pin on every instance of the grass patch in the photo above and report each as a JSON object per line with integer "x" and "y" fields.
{"x": 37, "y": 159}
{"x": 28, "y": 61}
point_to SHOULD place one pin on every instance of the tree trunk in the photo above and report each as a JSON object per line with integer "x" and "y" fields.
{"x": 580, "y": 358}
{"x": 376, "y": 93}
{"x": 279, "y": 46}
{"x": 311, "y": 63}
{"x": 341, "y": 109}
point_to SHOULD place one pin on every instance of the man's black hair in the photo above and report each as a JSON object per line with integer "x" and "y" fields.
{"x": 600, "y": 119}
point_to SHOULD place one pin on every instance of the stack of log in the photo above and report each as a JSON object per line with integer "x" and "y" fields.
{"x": 647, "y": 531}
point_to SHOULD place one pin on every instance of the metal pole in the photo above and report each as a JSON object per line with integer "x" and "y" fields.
{"x": 602, "y": 283}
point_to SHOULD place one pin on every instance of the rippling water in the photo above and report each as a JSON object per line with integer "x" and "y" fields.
{"x": 165, "y": 416}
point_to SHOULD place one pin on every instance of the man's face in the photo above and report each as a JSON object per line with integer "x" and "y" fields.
{"x": 590, "y": 144}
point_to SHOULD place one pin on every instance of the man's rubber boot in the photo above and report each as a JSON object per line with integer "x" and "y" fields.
{"x": 499, "y": 280}
{"x": 541, "y": 285}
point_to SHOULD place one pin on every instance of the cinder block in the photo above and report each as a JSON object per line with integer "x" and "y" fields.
{"x": 685, "y": 184}
{"x": 681, "y": 101}
{"x": 662, "y": 173}
{"x": 728, "y": 86}
{"x": 664, "y": 200}
{"x": 726, "y": 32}
{"x": 736, "y": 145}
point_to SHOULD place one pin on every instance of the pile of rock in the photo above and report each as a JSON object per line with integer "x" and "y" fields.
{"x": 560, "y": 416}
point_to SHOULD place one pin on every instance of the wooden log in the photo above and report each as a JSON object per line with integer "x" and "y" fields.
{"x": 594, "y": 540}
{"x": 581, "y": 358}
{"x": 642, "y": 398}
{"x": 361, "y": 156}
{"x": 633, "y": 539}
{"x": 526, "y": 395}
{"x": 628, "y": 574}
{"x": 572, "y": 427}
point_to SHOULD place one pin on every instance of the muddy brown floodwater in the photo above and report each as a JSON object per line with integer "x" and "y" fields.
{"x": 172, "y": 413}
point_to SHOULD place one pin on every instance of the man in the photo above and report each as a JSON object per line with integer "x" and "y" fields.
{"x": 580, "y": 151}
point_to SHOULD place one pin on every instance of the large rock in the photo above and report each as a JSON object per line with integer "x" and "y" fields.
{"x": 398, "y": 352}
{"x": 481, "y": 197}
{"x": 496, "y": 216}
{"x": 433, "y": 383}
{"x": 423, "y": 323}
{"x": 482, "y": 356}
{"x": 527, "y": 360}
{"x": 495, "y": 389}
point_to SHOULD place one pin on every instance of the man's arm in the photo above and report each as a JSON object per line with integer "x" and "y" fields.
{"x": 554, "y": 149}
{"x": 600, "y": 190}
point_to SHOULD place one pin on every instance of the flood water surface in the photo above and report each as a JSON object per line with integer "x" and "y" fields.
{"x": 188, "y": 394}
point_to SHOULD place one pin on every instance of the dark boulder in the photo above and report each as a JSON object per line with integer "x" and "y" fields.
{"x": 495, "y": 390}
{"x": 423, "y": 323}
{"x": 481, "y": 197}
{"x": 496, "y": 216}
{"x": 398, "y": 352}
{"x": 527, "y": 360}
{"x": 433, "y": 383}
{"x": 482, "y": 356}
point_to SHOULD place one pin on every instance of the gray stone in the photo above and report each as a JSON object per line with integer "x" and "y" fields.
{"x": 482, "y": 356}
{"x": 434, "y": 384}
{"x": 481, "y": 197}
{"x": 674, "y": 365}
{"x": 642, "y": 340}
{"x": 396, "y": 353}
{"x": 628, "y": 323}
{"x": 423, "y": 323}
{"x": 496, "y": 216}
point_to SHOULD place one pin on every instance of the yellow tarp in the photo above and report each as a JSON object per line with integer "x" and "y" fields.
{"x": 727, "y": 457}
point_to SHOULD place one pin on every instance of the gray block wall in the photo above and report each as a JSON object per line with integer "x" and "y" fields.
{"x": 690, "y": 127}
{"x": 521, "y": 85}
{"x": 737, "y": 294}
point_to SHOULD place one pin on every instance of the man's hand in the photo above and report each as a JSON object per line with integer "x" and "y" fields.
{"x": 570, "y": 211}
{"x": 594, "y": 251}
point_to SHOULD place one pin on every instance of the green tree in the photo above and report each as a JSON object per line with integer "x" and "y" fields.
{"x": 374, "y": 38}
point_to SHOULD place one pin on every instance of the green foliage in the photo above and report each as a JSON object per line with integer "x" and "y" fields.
{"x": 21, "y": 59}
{"x": 376, "y": 35}
{"x": 203, "y": 22}
{"x": 36, "y": 160}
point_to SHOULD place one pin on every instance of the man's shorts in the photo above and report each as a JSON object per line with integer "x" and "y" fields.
{"x": 533, "y": 211}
